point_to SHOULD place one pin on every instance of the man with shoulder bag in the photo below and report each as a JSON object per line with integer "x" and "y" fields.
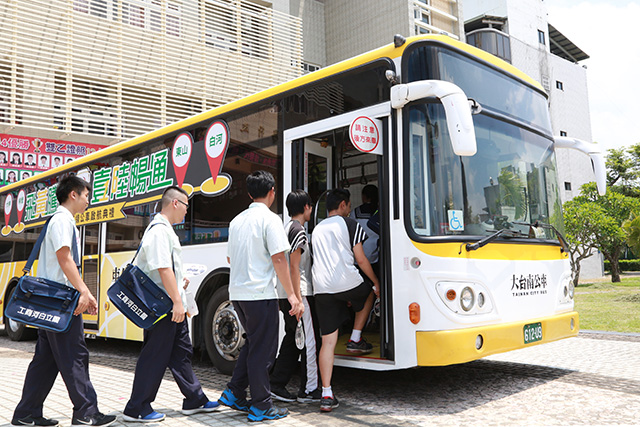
{"x": 167, "y": 344}
{"x": 64, "y": 352}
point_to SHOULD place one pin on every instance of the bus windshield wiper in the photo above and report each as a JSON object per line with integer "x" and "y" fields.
{"x": 480, "y": 243}
{"x": 561, "y": 239}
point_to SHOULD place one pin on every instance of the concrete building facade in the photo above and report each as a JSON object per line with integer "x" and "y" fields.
{"x": 102, "y": 71}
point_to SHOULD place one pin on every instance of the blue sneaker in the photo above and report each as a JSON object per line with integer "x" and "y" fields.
{"x": 210, "y": 406}
{"x": 272, "y": 413}
{"x": 153, "y": 417}
{"x": 228, "y": 399}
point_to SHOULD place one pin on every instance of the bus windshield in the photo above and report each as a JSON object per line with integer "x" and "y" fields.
{"x": 512, "y": 178}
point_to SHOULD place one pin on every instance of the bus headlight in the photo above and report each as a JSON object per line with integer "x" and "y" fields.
{"x": 571, "y": 289}
{"x": 467, "y": 298}
{"x": 480, "y": 300}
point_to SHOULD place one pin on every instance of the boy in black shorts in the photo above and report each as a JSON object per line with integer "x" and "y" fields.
{"x": 337, "y": 247}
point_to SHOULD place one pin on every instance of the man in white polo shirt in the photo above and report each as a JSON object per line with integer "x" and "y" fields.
{"x": 64, "y": 352}
{"x": 167, "y": 345}
{"x": 337, "y": 282}
{"x": 256, "y": 252}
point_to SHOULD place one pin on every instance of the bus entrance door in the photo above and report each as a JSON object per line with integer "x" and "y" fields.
{"x": 90, "y": 269}
{"x": 322, "y": 156}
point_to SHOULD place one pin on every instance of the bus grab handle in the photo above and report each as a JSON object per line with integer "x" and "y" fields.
{"x": 456, "y": 108}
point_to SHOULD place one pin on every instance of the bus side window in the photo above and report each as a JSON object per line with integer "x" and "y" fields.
{"x": 125, "y": 234}
{"x": 23, "y": 243}
{"x": 6, "y": 250}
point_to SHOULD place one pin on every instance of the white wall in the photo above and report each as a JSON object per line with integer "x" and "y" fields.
{"x": 357, "y": 26}
{"x": 473, "y": 8}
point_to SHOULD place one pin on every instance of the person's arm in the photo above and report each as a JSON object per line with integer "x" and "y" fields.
{"x": 294, "y": 268}
{"x": 282, "y": 270}
{"x": 365, "y": 266}
{"x": 86, "y": 302}
{"x": 169, "y": 281}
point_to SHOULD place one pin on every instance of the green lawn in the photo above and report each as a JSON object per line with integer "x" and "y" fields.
{"x": 606, "y": 306}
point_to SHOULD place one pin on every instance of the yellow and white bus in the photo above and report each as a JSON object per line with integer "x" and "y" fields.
{"x": 460, "y": 146}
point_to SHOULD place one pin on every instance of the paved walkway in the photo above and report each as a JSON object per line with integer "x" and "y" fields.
{"x": 590, "y": 380}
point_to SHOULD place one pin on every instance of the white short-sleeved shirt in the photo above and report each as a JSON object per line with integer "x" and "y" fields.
{"x": 60, "y": 233}
{"x": 334, "y": 269}
{"x": 298, "y": 239}
{"x": 158, "y": 244}
{"x": 363, "y": 214}
{"x": 255, "y": 235}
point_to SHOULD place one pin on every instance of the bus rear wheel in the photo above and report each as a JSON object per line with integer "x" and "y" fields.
{"x": 18, "y": 331}
{"x": 224, "y": 335}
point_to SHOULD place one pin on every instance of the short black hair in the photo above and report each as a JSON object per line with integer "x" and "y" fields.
{"x": 170, "y": 193}
{"x": 259, "y": 183}
{"x": 371, "y": 192}
{"x": 68, "y": 184}
{"x": 296, "y": 201}
{"x": 337, "y": 196}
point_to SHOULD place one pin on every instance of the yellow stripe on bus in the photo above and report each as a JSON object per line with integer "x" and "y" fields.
{"x": 494, "y": 251}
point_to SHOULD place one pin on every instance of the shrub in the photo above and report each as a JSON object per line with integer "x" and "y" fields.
{"x": 625, "y": 265}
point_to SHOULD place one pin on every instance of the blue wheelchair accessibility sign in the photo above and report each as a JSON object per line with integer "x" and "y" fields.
{"x": 456, "y": 221}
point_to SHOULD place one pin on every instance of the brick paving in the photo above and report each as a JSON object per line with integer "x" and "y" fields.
{"x": 590, "y": 380}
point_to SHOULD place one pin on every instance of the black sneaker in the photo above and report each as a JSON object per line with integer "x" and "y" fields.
{"x": 98, "y": 419}
{"x": 360, "y": 347}
{"x": 314, "y": 396}
{"x": 34, "y": 421}
{"x": 272, "y": 413}
{"x": 328, "y": 403}
{"x": 282, "y": 394}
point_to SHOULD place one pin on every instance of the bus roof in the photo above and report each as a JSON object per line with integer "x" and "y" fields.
{"x": 388, "y": 51}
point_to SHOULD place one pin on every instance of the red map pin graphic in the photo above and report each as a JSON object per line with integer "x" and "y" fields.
{"x": 215, "y": 144}
{"x": 22, "y": 198}
{"x": 8, "y": 204}
{"x": 180, "y": 155}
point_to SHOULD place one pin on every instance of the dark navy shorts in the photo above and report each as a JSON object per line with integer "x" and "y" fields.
{"x": 333, "y": 309}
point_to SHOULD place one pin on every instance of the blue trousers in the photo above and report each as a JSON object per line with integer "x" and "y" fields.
{"x": 167, "y": 345}
{"x": 260, "y": 322}
{"x": 66, "y": 353}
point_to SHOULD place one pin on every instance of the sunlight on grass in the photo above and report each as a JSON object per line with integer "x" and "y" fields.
{"x": 609, "y": 306}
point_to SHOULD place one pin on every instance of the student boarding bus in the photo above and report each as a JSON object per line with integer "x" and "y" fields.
{"x": 460, "y": 146}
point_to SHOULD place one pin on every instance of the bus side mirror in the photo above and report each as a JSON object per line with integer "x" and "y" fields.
{"x": 456, "y": 108}
{"x": 593, "y": 151}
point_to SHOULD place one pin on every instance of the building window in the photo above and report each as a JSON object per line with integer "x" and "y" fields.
{"x": 541, "y": 37}
{"x": 309, "y": 68}
{"x": 559, "y": 85}
{"x": 567, "y": 186}
{"x": 563, "y": 133}
{"x": 232, "y": 26}
{"x": 137, "y": 13}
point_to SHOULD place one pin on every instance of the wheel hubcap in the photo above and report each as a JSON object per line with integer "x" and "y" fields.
{"x": 227, "y": 332}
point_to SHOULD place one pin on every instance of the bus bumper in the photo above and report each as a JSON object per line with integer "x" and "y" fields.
{"x": 439, "y": 348}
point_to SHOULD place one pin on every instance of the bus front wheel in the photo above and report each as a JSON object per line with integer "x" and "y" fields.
{"x": 18, "y": 331}
{"x": 224, "y": 335}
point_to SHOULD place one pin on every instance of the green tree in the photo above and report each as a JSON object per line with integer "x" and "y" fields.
{"x": 623, "y": 170}
{"x": 580, "y": 221}
{"x": 632, "y": 230}
{"x": 603, "y": 218}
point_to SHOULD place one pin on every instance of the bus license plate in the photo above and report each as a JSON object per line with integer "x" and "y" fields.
{"x": 532, "y": 332}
